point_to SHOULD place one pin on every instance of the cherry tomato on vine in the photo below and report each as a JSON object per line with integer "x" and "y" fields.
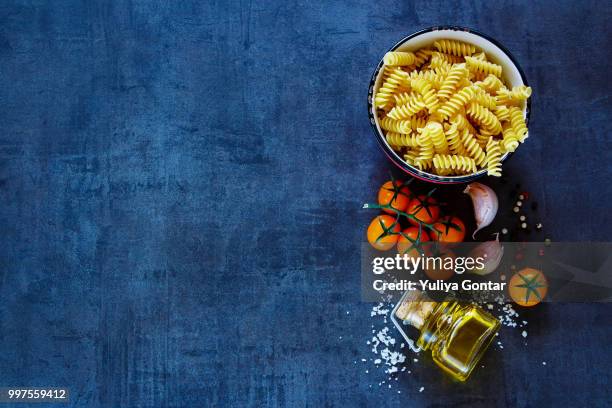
{"x": 412, "y": 248}
{"x": 424, "y": 208}
{"x": 449, "y": 229}
{"x": 528, "y": 287}
{"x": 395, "y": 194}
{"x": 383, "y": 232}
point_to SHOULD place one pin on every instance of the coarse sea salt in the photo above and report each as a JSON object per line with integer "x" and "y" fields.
{"x": 508, "y": 315}
{"x": 383, "y": 345}
{"x": 379, "y": 310}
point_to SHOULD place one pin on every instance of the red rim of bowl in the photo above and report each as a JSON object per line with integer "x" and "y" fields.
{"x": 395, "y": 159}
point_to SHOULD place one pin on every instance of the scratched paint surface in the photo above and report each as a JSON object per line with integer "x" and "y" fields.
{"x": 180, "y": 193}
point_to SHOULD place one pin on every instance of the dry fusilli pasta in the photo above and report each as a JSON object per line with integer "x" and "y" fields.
{"x": 454, "y": 47}
{"x": 399, "y": 58}
{"x": 460, "y": 164}
{"x": 493, "y": 158}
{"x": 484, "y": 67}
{"x": 447, "y": 110}
{"x": 455, "y": 75}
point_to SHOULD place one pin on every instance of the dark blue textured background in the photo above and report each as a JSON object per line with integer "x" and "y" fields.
{"x": 180, "y": 193}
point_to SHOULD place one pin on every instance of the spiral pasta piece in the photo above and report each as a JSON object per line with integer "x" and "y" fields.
{"x": 395, "y": 58}
{"x": 451, "y": 59}
{"x": 417, "y": 123}
{"x": 473, "y": 148}
{"x": 422, "y": 56}
{"x": 480, "y": 56}
{"x": 395, "y": 80}
{"x": 502, "y": 113}
{"x": 517, "y": 122}
{"x": 455, "y": 75}
{"x": 484, "y": 67}
{"x": 465, "y": 81}
{"x": 491, "y": 84}
{"x": 454, "y": 47}
{"x": 423, "y": 87}
{"x": 514, "y": 96}
{"x": 461, "y": 164}
{"x": 410, "y": 157}
{"x": 482, "y": 138}
{"x": 423, "y": 164}
{"x": 435, "y": 131}
{"x": 413, "y": 104}
{"x": 383, "y": 100}
{"x": 437, "y": 61}
{"x": 401, "y": 140}
{"x": 400, "y": 78}
{"x": 462, "y": 122}
{"x": 484, "y": 117}
{"x": 435, "y": 77}
{"x": 484, "y": 99}
{"x": 402, "y": 98}
{"x": 510, "y": 140}
{"x": 453, "y": 138}
{"x": 397, "y": 126}
{"x": 426, "y": 148}
{"x": 493, "y": 158}
{"x": 521, "y": 92}
{"x": 456, "y": 102}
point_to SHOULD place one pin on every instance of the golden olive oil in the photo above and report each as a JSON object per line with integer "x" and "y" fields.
{"x": 456, "y": 334}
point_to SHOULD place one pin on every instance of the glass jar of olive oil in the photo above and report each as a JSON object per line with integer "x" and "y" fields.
{"x": 457, "y": 334}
